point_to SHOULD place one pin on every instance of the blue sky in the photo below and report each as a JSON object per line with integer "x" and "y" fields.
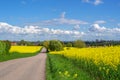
{"x": 59, "y": 19}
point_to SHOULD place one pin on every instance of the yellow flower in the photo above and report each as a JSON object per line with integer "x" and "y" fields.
{"x": 60, "y": 72}
{"x": 75, "y": 75}
{"x": 103, "y": 68}
{"x": 66, "y": 73}
{"x": 101, "y": 56}
{"x": 25, "y": 49}
{"x": 100, "y": 68}
{"x": 107, "y": 71}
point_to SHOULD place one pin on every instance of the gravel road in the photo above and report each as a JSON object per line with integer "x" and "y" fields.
{"x": 31, "y": 68}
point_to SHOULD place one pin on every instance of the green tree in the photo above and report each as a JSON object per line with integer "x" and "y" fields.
{"x": 69, "y": 44}
{"x": 22, "y": 42}
{"x": 7, "y": 47}
{"x": 46, "y": 44}
{"x": 79, "y": 44}
{"x": 28, "y": 43}
{"x": 4, "y": 47}
{"x": 55, "y": 45}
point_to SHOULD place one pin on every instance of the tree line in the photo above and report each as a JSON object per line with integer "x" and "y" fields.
{"x": 102, "y": 43}
{"x": 53, "y": 45}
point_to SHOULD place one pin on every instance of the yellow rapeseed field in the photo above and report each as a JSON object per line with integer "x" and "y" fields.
{"x": 100, "y": 60}
{"x": 25, "y": 49}
{"x": 108, "y": 55}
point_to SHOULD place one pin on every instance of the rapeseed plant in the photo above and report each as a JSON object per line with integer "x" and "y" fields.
{"x": 104, "y": 61}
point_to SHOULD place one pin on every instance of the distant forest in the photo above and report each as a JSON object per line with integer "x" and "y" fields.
{"x": 99, "y": 43}
{"x": 102, "y": 43}
{"x": 70, "y": 43}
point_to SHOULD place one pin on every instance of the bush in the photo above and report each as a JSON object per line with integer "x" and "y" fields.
{"x": 7, "y": 47}
{"x": 4, "y": 47}
{"x": 79, "y": 44}
{"x": 55, "y": 45}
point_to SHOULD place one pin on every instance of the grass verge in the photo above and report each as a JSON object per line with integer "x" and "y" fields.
{"x": 15, "y": 55}
{"x": 61, "y": 68}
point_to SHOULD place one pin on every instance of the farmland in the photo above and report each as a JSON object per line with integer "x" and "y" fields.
{"x": 103, "y": 63}
{"x": 59, "y": 67}
{"x": 25, "y": 49}
{"x": 73, "y": 63}
{"x": 20, "y": 52}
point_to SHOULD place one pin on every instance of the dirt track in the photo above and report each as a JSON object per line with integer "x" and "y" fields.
{"x": 32, "y": 68}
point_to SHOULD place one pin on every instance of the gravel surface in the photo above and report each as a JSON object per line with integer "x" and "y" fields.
{"x": 31, "y": 68}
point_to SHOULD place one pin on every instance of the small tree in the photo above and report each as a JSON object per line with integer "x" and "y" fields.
{"x": 69, "y": 44}
{"x": 22, "y": 42}
{"x": 46, "y": 44}
{"x": 55, "y": 45}
{"x": 4, "y": 47}
{"x": 79, "y": 44}
{"x": 8, "y": 46}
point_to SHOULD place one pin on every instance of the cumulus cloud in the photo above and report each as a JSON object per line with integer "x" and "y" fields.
{"x": 30, "y": 32}
{"x": 60, "y": 21}
{"x": 7, "y": 28}
{"x": 95, "y": 2}
{"x": 97, "y": 28}
{"x": 103, "y": 32}
{"x": 96, "y": 31}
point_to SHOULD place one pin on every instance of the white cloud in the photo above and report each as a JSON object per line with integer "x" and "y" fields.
{"x": 115, "y": 30}
{"x": 97, "y": 28}
{"x": 100, "y": 22}
{"x": 95, "y": 2}
{"x": 98, "y": 32}
{"x": 60, "y": 21}
{"x": 5, "y": 27}
{"x": 32, "y": 32}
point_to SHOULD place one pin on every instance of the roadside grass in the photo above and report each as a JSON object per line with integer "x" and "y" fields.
{"x": 61, "y": 68}
{"x": 15, "y": 55}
